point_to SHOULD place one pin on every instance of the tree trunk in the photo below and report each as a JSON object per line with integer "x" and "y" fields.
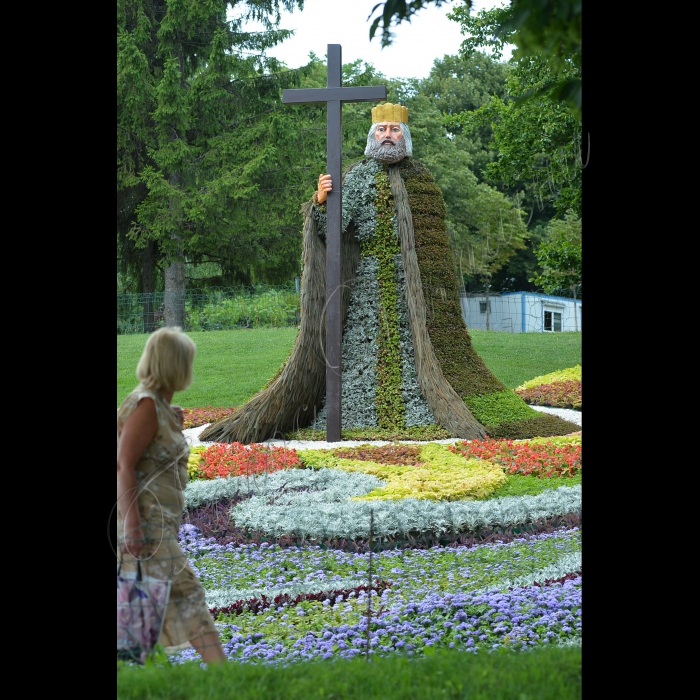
{"x": 147, "y": 288}
{"x": 174, "y": 306}
{"x": 175, "y": 292}
{"x": 175, "y": 274}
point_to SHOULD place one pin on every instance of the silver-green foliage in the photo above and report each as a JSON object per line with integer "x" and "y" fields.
{"x": 315, "y": 514}
{"x": 321, "y": 484}
{"x": 359, "y": 192}
{"x": 222, "y": 597}
{"x": 360, "y": 337}
{"x": 359, "y": 351}
{"x": 566, "y": 564}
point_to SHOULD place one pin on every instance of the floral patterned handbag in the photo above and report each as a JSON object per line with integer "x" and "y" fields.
{"x": 141, "y": 606}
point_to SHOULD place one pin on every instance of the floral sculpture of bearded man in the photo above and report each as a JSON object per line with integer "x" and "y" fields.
{"x": 407, "y": 358}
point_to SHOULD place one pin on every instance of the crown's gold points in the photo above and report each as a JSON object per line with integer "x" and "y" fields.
{"x": 390, "y": 113}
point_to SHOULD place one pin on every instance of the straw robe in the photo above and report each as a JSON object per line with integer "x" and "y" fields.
{"x": 407, "y": 357}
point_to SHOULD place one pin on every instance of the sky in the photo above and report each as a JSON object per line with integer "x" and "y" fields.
{"x": 416, "y": 45}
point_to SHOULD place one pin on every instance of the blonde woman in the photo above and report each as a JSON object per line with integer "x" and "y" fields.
{"x": 152, "y": 458}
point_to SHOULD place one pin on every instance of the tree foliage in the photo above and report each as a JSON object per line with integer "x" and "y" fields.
{"x": 497, "y": 233}
{"x": 212, "y": 167}
{"x": 456, "y": 85}
{"x": 500, "y": 139}
{"x": 196, "y": 135}
{"x": 222, "y": 188}
{"x": 393, "y": 12}
{"x": 538, "y": 142}
{"x": 549, "y": 28}
{"x": 536, "y": 134}
{"x": 559, "y": 256}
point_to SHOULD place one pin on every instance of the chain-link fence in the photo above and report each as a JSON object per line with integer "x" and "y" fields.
{"x": 226, "y": 308}
{"x": 214, "y": 309}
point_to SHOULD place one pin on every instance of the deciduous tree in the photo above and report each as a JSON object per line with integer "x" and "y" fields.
{"x": 550, "y": 28}
{"x": 560, "y": 256}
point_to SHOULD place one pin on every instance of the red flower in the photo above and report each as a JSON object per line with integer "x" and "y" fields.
{"x": 235, "y": 459}
{"x": 543, "y": 460}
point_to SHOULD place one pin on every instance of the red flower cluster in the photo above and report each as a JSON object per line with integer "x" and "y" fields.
{"x": 235, "y": 459}
{"x": 565, "y": 394}
{"x": 195, "y": 417}
{"x": 541, "y": 460}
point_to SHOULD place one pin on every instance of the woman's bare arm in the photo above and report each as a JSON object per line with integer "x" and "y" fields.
{"x": 139, "y": 429}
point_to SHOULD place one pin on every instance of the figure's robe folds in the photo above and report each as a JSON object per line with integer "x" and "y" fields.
{"x": 407, "y": 355}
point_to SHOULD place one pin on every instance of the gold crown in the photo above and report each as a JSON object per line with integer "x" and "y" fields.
{"x": 389, "y": 113}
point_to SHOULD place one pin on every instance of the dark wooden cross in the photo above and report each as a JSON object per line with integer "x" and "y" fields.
{"x": 334, "y": 95}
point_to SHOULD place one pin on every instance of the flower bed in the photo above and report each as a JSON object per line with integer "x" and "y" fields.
{"x": 201, "y": 416}
{"x": 234, "y": 459}
{"x": 499, "y": 595}
{"x": 560, "y": 389}
{"x": 339, "y": 553}
{"x": 543, "y": 458}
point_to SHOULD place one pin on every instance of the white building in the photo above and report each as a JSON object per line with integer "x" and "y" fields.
{"x": 521, "y": 312}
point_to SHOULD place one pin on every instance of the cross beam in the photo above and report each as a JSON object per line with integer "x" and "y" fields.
{"x": 334, "y": 94}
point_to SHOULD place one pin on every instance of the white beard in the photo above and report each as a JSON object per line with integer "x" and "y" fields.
{"x": 385, "y": 153}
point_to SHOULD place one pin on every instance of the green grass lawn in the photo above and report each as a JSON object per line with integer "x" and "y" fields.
{"x": 231, "y": 366}
{"x": 516, "y": 357}
{"x": 541, "y": 674}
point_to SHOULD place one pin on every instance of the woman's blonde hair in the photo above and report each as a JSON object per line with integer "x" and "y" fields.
{"x": 166, "y": 361}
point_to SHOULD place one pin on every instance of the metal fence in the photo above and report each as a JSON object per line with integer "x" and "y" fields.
{"x": 227, "y": 308}
{"x": 215, "y": 309}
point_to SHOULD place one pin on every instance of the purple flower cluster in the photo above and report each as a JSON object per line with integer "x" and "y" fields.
{"x": 516, "y": 619}
{"x": 269, "y": 566}
{"x": 408, "y": 618}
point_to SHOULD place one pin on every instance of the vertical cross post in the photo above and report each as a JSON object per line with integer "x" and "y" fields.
{"x": 334, "y": 95}
{"x": 334, "y": 210}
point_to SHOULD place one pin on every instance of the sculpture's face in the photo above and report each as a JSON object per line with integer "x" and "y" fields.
{"x": 388, "y": 132}
{"x": 388, "y": 142}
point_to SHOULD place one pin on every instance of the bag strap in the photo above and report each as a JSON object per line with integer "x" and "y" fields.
{"x": 139, "y": 576}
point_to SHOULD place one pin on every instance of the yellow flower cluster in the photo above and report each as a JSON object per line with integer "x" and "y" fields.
{"x": 193, "y": 462}
{"x": 563, "y": 375}
{"x": 555, "y": 440}
{"x": 442, "y": 476}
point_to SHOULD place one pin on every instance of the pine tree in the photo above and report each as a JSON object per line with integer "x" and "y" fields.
{"x": 195, "y": 115}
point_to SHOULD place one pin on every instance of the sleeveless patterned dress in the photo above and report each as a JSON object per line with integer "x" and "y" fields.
{"x": 161, "y": 477}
